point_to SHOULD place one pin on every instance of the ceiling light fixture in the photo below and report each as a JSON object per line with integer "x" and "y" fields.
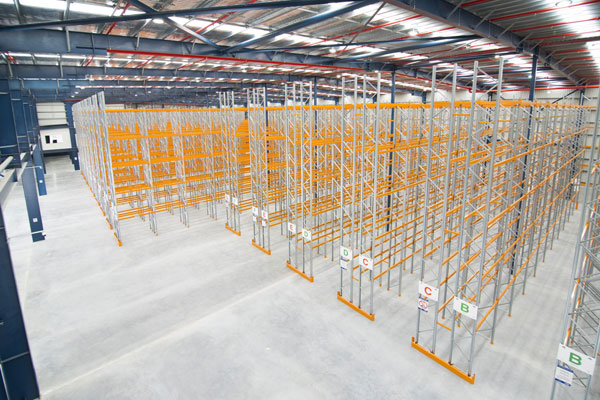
{"x": 563, "y": 3}
{"x": 413, "y": 32}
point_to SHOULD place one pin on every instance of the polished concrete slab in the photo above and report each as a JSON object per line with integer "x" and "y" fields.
{"x": 199, "y": 313}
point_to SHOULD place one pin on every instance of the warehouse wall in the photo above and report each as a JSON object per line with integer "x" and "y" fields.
{"x": 54, "y": 128}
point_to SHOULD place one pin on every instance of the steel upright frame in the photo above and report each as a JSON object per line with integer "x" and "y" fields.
{"x": 300, "y": 197}
{"x": 259, "y": 172}
{"x": 580, "y": 337}
{"x": 497, "y": 191}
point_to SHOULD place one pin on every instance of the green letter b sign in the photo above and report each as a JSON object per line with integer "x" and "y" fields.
{"x": 574, "y": 359}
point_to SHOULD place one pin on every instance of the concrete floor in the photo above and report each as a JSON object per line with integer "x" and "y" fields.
{"x": 199, "y": 313}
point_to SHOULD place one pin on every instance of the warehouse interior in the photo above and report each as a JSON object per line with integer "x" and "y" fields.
{"x": 299, "y": 199}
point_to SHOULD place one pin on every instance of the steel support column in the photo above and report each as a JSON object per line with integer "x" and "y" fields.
{"x": 15, "y": 141}
{"x": 74, "y": 153}
{"x": 28, "y": 137}
{"x": 522, "y": 188}
{"x": 30, "y": 189}
{"x": 38, "y": 163}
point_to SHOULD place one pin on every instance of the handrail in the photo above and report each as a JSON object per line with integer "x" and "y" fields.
{"x": 6, "y": 163}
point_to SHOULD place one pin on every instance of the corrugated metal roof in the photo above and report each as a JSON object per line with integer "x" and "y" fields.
{"x": 566, "y": 31}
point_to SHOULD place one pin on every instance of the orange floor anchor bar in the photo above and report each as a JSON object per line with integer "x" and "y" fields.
{"x": 444, "y": 363}
{"x": 233, "y": 230}
{"x": 268, "y": 252}
{"x": 355, "y": 308}
{"x": 118, "y": 241}
{"x": 302, "y": 274}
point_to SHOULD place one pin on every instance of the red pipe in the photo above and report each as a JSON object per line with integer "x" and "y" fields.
{"x": 400, "y": 38}
{"x": 145, "y": 62}
{"x": 563, "y": 42}
{"x": 570, "y": 51}
{"x": 543, "y": 10}
{"x": 151, "y": 53}
{"x": 221, "y": 18}
{"x": 580, "y": 64}
{"x": 551, "y": 88}
{"x": 576, "y": 59}
{"x": 556, "y": 24}
{"x": 436, "y": 51}
{"x": 418, "y": 78}
{"x": 89, "y": 61}
{"x": 475, "y": 53}
{"x": 366, "y": 29}
{"x": 227, "y": 66}
{"x": 115, "y": 23}
{"x": 330, "y": 67}
{"x": 563, "y": 35}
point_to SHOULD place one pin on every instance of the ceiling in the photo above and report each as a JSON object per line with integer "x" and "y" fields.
{"x": 203, "y": 46}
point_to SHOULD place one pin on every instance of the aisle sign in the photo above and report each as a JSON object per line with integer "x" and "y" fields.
{"x": 423, "y": 304}
{"x": 429, "y": 291}
{"x": 226, "y": 198}
{"x": 466, "y": 309}
{"x": 345, "y": 257}
{"x": 575, "y": 359}
{"x": 234, "y": 200}
{"x": 306, "y": 235}
{"x": 265, "y": 214}
{"x": 365, "y": 262}
{"x": 291, "y": 227}
{"x": 255, "y": 211}
{"x": 563, "y": 375}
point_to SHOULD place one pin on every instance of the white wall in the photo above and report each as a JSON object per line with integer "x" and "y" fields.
{"x": 115, "y": 106}
{"x": 51, "y": 114}
{"x": 54, "y": 128}
{"x": 55, "y": 139}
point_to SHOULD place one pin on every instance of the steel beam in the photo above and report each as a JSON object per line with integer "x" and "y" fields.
{"x": 369, "y": 43}
{"x": 9, "y": 145}
{"x": 432, "y": 43}
{"x": 18, "y": 10}
{"x": 53, "y": 41}
{"x": 302, "y": 24}
{"x": 170, "y": 22}
{"x": 448, "y": 13}
{"x": 169, "y": 13}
